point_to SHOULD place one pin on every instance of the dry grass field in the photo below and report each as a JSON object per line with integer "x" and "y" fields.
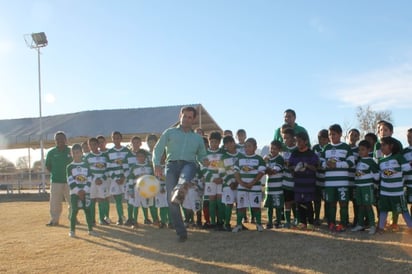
{"x": 28, "y": 246}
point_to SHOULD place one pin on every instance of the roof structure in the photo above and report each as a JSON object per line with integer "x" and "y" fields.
{"x": 79, "y": 126}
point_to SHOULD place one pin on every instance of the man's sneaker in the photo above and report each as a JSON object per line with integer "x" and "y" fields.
{"x": 91, "y": 233}
{"x": 72, "y": 234}
{"x": 340, "y": 228}
{"x": 237, "y": 228}
{"x": 259, "y": 228}
{"x": 372, "y": 230}
{"x": 358, "y": 228}
{"x": 52, "y": 224}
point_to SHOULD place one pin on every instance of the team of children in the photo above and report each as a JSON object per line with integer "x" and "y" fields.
{"x": 374, "y": 172}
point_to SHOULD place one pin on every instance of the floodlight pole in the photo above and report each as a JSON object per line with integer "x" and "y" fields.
{"x": 37, "y": 41}
{"x": 43, "y": 177}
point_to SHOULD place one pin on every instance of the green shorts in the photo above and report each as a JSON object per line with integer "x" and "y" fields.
{"x": 364, "y": 195}
{"x": 396, "y": 204}
{"x": 337, "y": 193}
{"x": 274, "y": 201}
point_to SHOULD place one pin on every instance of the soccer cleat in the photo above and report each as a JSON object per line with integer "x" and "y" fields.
{"x": 259, "y": 228}
{"x": 237, "y": 228}
{"x": 358, "y": 228}
{"x": 310, "y": 227}
{"x": 394, "y": 228}
{"x": 372, "y": 230}
{"x": 91, "y": 233}
{"x": 72, "y": 234}
{"x": 340, "y": 228}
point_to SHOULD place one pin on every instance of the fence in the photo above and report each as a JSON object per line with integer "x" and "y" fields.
{"x": 22, "y": 181}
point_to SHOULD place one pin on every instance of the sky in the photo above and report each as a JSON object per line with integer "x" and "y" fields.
{"x": 244, "y": 61}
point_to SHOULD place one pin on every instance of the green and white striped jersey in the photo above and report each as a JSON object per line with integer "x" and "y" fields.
{"x": 248, "y": 167}
{"x": 367, "y": 172}
{"x": 97, "y": 164}
{"x": 407, "y": 154}
{"x": 341, "y": 154}
{"x": 274, "y": 182}
{"x": 288, "y": 182}
{"x": 78, "y": 177}
{"x": 117, "y": 165}
{"x": 392, "y": 168}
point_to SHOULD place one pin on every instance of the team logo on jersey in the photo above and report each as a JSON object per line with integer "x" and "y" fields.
{"x": 99, "y": 165}
{"x": 81, "y": 178}
{"x": 247, "y": 168}
{"x": 389, "y": 172}
{"x": 119, "y": 161}
{"x": 359, "y": 173}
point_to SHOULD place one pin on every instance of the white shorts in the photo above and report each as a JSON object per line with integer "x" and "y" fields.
{"x": 246, "y": 199}
{"x": 210, "y": 189}
{"x": 99, "y": 191}
{"x": 192, "y": 199}
{"x": 115, "y": 188}
{"x": 228, "y": 196}
{"x": 161, "y": 200}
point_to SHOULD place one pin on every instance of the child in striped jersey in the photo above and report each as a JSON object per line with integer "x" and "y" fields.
{"x": 99, "y": 189}
{"x": 79, "y": 180}
{"x": 336, "y": 159}
{"x": 288, "y": 135}
{"x": 323, "y": 140}
{"x": 407, "y": 153}
{"x": 274, "y": 198}
{"x": 353, "y": 138}
{"x": 392, "y": 197}
{"x": 366, "y": 173}
{"x": 249, "y": 169}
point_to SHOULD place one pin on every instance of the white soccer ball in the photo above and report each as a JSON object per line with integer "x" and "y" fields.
{"x": 147, "y": 186}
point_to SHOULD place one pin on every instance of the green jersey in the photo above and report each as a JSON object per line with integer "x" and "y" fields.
{"x": 215, "y": 168}
{"x": 367, "y": 172}
{"x": 274, "y": 182}
{"x": 229, "y": 160}
{"x": 117, "y": 165}
{"x": 97, "y": 164}
{"x": 288, "y": 182}
{"x": 248, "y": 167}
{"x": 392, "y": 168}
{"x": 407, "y": 154}
{"x": 56, "y": 162}
{"x": 78, "y": 177}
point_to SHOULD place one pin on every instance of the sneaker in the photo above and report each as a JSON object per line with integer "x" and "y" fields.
{"x": 120, "y": 222}
{"x": 310, "y": 227}
{"x": 332, "y": 227}
{"x": 278, "y": 225}
{"x": 72, "y": 234}
{"x": 128, "y": 222}
{"x": 269, "y": 226}
{"x": 162, "y": 225}
{"x": 91, "y": 233}
{"x": 357, "y": 228}
{"x": 317, "y": 222}
{"x": 148, "y": 222}
{"x": 259, "y": 228}
{"x": 104, "y": 222}
{"x": 287, "y": 226}
{"x": 107, "y": 220}
{"x": 372, "y": 230}
{"x": 340, "y": 228}
{"x": 52, "y": 224}
{"x": 227, "y": 228}
{"x": 237, "y": 228}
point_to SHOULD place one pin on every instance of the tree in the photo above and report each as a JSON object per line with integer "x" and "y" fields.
{"x": 6, "y": 165}
{"x": 23, "y": 163}
{"x": 368, "y": 118}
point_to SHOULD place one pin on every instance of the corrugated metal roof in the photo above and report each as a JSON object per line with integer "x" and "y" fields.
{"x": 23, "y": 133}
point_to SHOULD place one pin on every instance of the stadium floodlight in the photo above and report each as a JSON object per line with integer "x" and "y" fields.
{"x": 36, "y": 41}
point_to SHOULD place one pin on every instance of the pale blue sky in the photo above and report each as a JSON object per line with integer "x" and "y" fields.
{"x": 245, "y": 61}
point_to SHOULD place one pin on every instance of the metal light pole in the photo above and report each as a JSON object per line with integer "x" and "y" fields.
{"x": 39, "y": 40}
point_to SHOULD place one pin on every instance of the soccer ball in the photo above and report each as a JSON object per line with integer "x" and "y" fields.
{"x": 147, "y": 186}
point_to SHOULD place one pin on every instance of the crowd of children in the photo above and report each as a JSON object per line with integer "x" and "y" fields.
{"x": 372, "y": 175}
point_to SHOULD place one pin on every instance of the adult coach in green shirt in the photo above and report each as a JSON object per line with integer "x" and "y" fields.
{"x": 289, "y": 118}
{"x": 56, "y": 162}
{"x": 184, "y": 150}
